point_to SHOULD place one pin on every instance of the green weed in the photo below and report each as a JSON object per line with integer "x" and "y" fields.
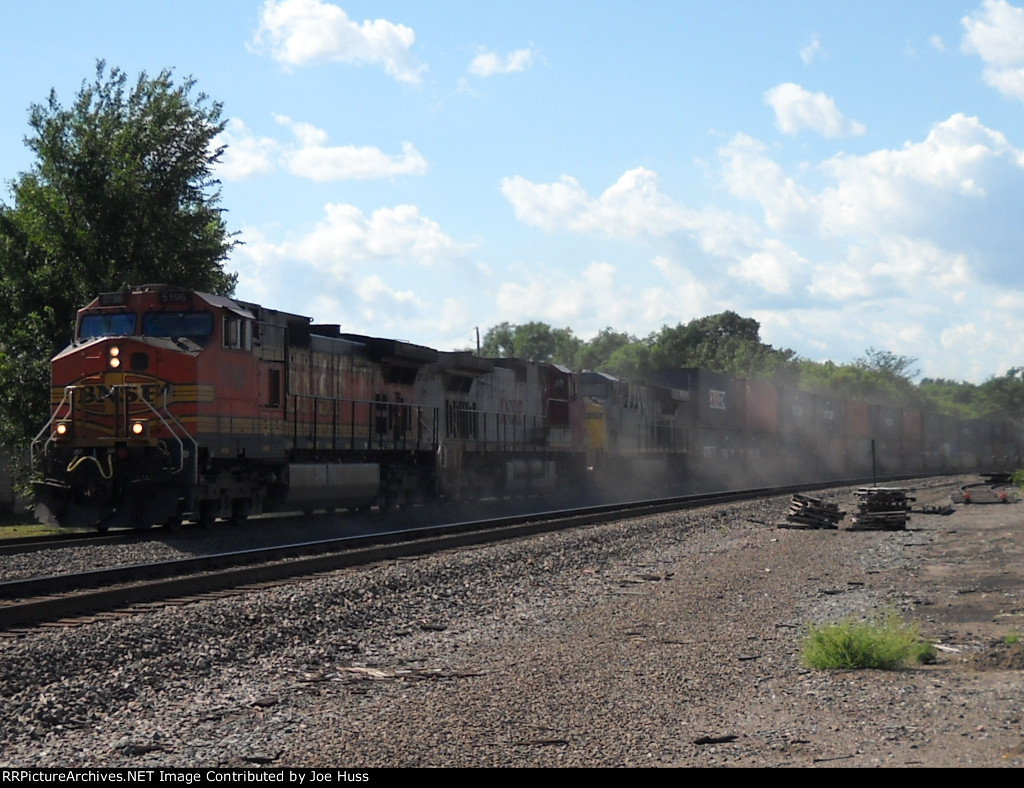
{"x": 883, "y": 643}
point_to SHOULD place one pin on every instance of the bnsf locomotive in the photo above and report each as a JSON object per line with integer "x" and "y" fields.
{"x": 173, "y": 404}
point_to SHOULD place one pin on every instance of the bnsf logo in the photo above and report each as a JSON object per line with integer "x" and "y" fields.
{"x": 716, "y": 399}
{"x": 97, "y": 393}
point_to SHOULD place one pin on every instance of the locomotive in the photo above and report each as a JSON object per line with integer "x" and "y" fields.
{"x": 171, "y": 404}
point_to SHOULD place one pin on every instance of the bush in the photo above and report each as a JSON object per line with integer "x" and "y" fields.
{"x": 883, "y": 643}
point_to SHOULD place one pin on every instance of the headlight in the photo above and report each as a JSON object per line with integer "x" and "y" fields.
{"x": 113, "y": 357}
{"x": 138, "y": 428}
{"x": 62, "y": 429}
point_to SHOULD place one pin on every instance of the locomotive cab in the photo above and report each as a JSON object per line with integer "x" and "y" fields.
{"x": 120, "y": 446}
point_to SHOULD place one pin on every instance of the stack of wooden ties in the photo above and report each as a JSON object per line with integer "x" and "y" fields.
{"x": 881, "y": 509}
{"x": 808, "y": 512}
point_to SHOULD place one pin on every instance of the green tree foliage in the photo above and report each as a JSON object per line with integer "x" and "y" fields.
{"x": 724, "y": 342}
{"x": 887, "y": 363}
{"x": 956, "y": 398}
{"x": 729, "y": 343}
{"x": 534, "y": 341}
{"x": 879, "y": 376}
{"x": 602, "y": 349}
{"x": 1003, "y": 395}
{"x": 121, "y": 193}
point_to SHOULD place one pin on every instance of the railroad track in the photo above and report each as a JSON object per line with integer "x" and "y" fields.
{"x": 76, "y": 598}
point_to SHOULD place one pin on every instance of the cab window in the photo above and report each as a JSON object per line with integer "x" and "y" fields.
{"x": 197, "y": 326}
{"x": 237, "y": 332}
{"x": 108, "y": 324}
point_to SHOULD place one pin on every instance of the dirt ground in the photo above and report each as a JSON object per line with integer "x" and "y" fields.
{"x": 970, "y": 581}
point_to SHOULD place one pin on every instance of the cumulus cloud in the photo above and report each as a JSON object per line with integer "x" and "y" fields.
{"x": 995, "y": 32}
{"x": 925, "y": 186}
{"x": 315, "y": 160}
{"x": 487, "y": 64}
{"x": 918, "y": 231}
{"x": 751, "y": 175}
{"x": 797, "y": 109}
{"x": 362, "y": 268}
{"x": 400, "y": 234}
{"x": 310, "y": 156}
{"x": 952, "y": 186}
{"x": 245, "y": 153}
{"x": 592, "y": 299}
{"x": 302, "y": 32}
{"x": 633, "y": 208}
{"x": 774, "y": 268}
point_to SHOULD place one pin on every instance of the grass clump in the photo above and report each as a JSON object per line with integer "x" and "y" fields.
{"x": 1012, "y": 638}
{"x": 882, "y": 643}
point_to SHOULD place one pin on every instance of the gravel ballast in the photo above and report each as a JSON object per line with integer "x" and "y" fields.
{"x": 671, "y": 640}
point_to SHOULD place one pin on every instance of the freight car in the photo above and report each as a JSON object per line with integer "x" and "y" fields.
{"x": 173, "y": 404}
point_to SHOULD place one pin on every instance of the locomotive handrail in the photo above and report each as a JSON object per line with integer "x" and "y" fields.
{"x": 399, "y": 433}
{"x": 67, "y": 401}
{"x": 181, "y": 443}
{"x": 68, "y": 394}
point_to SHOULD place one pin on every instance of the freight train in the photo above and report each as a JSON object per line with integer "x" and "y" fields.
{"x": 171, "y": 404}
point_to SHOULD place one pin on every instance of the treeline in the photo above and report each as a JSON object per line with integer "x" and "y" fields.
{"x": 731, "y": 344}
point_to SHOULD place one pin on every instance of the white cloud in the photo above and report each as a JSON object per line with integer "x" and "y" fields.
{"x": 633, "y": 208}
{"x": 398, "y": 234}
{"x": 797, "y": 109}
{"x": 810, "y": 50}
{"x": 937, "y": 43}
{"x": 489, "y": 63}
{"x": 995, "y": 32}
{"x": 597, "y": 297}
{"x": 882, "y": 248}
{"x": 774, "y": 268}
{"x": 310, "y": 157}
{"x": 373, "y": 289}
{"x": 300, "y": 32}
{"x": 909, "y": 247}
{"x": 245, "y": 154}
{"x": 348, "y": 236}
{"x": 953, "y": 187}
{"x": 922, "y": 187}
{"x": 751, "y": 175}
{"x": 348, "y": 265}
{"x": 313, "y": 159}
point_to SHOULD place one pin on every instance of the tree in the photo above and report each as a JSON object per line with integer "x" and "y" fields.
{"x": 724, "y": 342}
{"x": 499, "y": 341}
{"x": 596, "y": 353}
{"x": 534, "y": 341}
{"x": 888, "y": 363}
{"x": 121, "y": 193}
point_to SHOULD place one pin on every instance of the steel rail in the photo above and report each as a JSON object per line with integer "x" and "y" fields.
{"x": 37, "y": 600}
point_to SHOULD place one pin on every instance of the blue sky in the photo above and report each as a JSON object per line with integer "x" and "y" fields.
{"x": 850, "y": 174}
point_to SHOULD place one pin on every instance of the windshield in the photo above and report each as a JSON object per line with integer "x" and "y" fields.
{"x": 109, "y": 324}
{"x": 194, "y": 325}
